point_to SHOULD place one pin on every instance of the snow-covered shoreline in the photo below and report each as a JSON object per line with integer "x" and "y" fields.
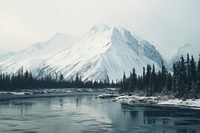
{"x": 159, "y": 101}
{"x": 153, "y": 100}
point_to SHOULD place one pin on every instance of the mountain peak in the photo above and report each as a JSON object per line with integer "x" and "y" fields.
{"x": 60, "y": 36}
{"x": 105, "y": 53}
{"x": 187, "y": 45}
{"x": 122, "y": 31}
{"x": 185, "y": 48}
{"x": 99, "y": 28}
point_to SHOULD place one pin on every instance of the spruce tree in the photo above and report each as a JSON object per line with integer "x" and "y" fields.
{"x": 174, "y": 79}
{"x": 198, "y": 77}
{"x": 193, "y": 75}
{"x": 148, "y": 81}
{"x": 124, "y": 84}
{"x": 133, "y": 80}
{"x": 163, "y": 77}
{"x": 183, "y": 80}
{"x": 188, "y": 72}
{"x": 154, "y": 81}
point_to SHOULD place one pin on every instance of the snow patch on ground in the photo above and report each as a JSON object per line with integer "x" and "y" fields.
{"x": 188, "y": 102}
{"x": 107, "y": 95}
{"x": 161, "y": 101}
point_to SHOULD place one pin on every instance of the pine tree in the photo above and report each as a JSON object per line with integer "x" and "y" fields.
{"x": 174, "y": 79}
{"x": 154, "y": 81}
{"x": 188, "y": 72}
{"x": 183, "y": 80}
{"x": 193, "y": 76}
{"x": 61, "y": 78}
{"x": 198, "y": 77}
{"x": 163, "y": 77}
{"x": 133, "y": 79}
{"x": 124, "y": 84}
{"x": 148, "y": 81}
{"x": 169, "y": 82}
{"x": 144, "y": 79}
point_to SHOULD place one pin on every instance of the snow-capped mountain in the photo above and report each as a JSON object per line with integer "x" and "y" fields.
{"x": 33, "y": 57}
{"x": 104, "y": 53}
{"x": 184, "y": 50}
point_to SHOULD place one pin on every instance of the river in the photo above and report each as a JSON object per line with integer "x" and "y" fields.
{"x": 86, "y": 114}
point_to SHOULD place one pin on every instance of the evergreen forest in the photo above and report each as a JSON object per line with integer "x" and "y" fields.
{"x": 25, "y": 80}
{"x": 182, "y": 82}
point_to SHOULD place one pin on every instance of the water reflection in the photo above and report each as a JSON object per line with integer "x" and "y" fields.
{"x": 23, "y": 106}
{"x": 163, "y": 120}
{"x": 85, "y": 114}
{"x": 78, "y": 102}
{"x": 61, "y": 103}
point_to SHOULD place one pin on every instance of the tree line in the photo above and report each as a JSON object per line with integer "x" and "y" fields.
{"x": 25, "y": 80}
{"x": 183, "y": 82}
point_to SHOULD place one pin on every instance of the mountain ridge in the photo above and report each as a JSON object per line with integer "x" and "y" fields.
{"x": 184, "y": 50}
{"x": 104, "y": 53}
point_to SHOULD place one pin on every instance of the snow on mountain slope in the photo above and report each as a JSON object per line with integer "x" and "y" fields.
{"x": 33, "y": 57}
{"x": 6, "y": 55}
{"x": 105, "y": 53}
{"x": 184, "y": 50}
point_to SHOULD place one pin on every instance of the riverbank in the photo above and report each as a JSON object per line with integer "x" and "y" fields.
{"x": 136, "y": 99}
{"x": 158, "y": 100}
{"x": 36, "y": 93}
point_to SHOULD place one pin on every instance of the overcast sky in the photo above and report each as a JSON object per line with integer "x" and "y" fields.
{"x": 167, "y": 24}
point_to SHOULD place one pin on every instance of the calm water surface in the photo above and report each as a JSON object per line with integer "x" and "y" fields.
{"x": 86, "y": 114}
